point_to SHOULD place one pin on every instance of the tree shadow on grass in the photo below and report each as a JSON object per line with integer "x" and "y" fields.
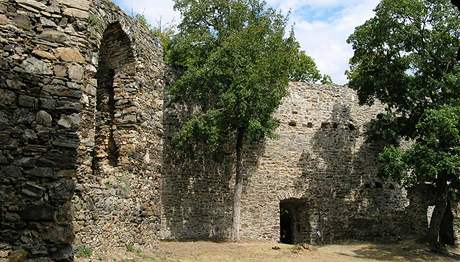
{"x": 404, "y": 251}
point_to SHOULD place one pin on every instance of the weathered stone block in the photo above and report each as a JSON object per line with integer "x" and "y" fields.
{"x": 79, "y": 4}
{"x": 32, "y": 3}
{"x": 18, "y": 256}
{"x": 38, "y": 212}
{"x": 7, "y": 97}
{"x": 75, "y": 72}
{"x": 4, "y": 20}
{"x": 69, "y": 54}
{"x": 66, "y": 142}
{"x": 27, "y": 101}
{"x": 47, "y": 103}
{"x": 33, "y": 65}
{"x": 22, "y": 21}
{"x": 32, "y": 190}
{"x": 63, "y": 252}
{"x": 43, "y": 54}
{"x": 47, "y": 22}
{"x": 11, "y": 171}
{"x": 44, "y": 119}
{"x": 62, "y": 190}
{"x": 40, "y": 172}
{"x": 29, "y": 135}
{"x": 69, "y": 121}
{"x": 60, "y": 71}
{"x": 76, "y": 13}
{"x": 15, "y": 84}
{"x": 54, "y": 36}
{"x": 62, "y": 91}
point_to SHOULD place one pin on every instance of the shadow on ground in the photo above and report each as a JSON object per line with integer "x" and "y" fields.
{"x": 405, "y": 251}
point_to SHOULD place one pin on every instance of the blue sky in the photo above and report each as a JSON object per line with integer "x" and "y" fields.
{"x": 321, "y": 26}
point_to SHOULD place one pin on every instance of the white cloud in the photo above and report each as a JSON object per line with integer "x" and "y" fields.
{"x": 323, "y": 39}
{"x": 154, "y": 10}
{"x": 287, "y": 5}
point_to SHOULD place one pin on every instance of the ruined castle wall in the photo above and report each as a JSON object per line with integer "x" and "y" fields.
{"x": 196, "y": 196}
{"x": 117, "y": 199}
{"x": 39, "y": 109}
{"x": 318, "y": 158}
{"x": 53, "y": 129}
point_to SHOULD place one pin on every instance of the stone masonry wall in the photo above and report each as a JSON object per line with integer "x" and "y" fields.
{"x": 319, "y": 157}
{"x": 59, "y": 98}
{"x": 117, "y": 198}
{"x": 82, "y": 148}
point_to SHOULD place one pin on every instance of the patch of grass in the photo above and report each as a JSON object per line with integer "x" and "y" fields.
{"x": 130, "y": 247}
{"x": 83, "y": 251}
{"x": 95, "y": 21}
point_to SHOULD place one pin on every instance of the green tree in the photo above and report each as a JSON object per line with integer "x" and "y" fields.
{"x": 234, "y": 61}
{"x": 305, "y": 70}
{"x": 164, "y": 32}
{"x": 405, "y": 57}
{"x": 326, "y": 79}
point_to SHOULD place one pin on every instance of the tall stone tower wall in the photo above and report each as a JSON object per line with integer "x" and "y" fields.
{"x": 81, "y": 98}
{"x": 321, "y": 161}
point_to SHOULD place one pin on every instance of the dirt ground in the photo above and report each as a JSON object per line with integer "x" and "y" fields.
{"x": 202, "y": 251}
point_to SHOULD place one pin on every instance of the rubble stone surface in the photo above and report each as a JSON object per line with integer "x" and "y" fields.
{"x": 58, "y": 71}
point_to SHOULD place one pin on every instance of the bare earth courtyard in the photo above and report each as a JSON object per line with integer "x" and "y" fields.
{"x": 261, "y": 251}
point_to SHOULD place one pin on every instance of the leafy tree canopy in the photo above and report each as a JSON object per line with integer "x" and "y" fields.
{"x": 406, "y": 57}
{"x": 234, "y": 62}
{"x": 305, "y": 70}
{"x": 436, "y": 152}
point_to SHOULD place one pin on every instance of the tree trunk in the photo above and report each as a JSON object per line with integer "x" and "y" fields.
{"x": 437, "y": 216}
{"x": 446, "y": 232}
{"x": 238, "y": 187}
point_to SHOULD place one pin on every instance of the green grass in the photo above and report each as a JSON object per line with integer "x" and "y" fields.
{"x": 83, "y": 251}
{"x": 130, "y": 248}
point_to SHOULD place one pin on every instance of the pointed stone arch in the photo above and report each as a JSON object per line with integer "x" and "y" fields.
{"x": 116, "y": 71}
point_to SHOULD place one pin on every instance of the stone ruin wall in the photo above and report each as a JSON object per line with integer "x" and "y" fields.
{"x": 81, "y": 147}
{"x": 319, "y": 158}
{"x": 81, "y": 98}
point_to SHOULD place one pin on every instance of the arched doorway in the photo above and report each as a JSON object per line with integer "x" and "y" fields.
{"x": 116, "y": 70}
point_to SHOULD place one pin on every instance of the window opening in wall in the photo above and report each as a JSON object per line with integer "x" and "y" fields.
{"x": 105, "y": 106}
{"x": 115, "y": 71}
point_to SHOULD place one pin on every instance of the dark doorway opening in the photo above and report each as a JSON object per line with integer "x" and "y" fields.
{"x": 286, "y": 223}
{"x": 294, "y": 225}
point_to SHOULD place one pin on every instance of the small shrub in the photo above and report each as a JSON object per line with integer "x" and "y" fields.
{"x": 83, "y": 251}
{"x": 95, "y": 21}
{"x": 130, "y": 247}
